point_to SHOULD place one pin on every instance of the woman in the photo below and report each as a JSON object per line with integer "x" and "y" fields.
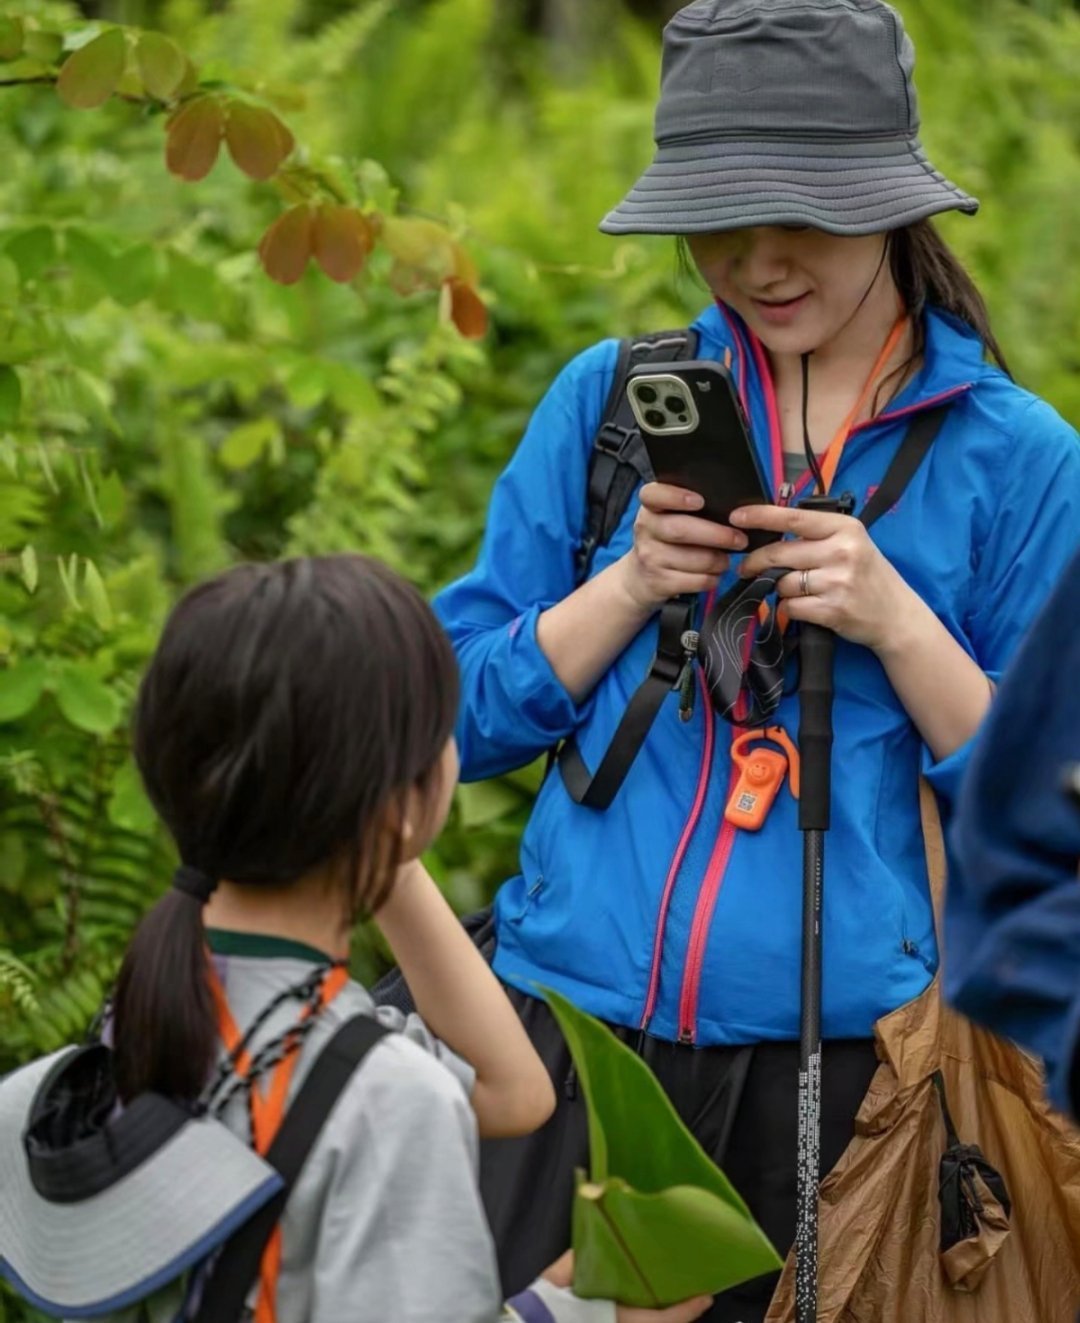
{"x": 788, "y": 160}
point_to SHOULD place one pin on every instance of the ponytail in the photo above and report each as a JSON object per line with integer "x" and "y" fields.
{"x": 164, "y": 1029}
{"x": 927, "y": 271}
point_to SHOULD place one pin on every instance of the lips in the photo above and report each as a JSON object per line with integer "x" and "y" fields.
{"x": 779, "y": 312}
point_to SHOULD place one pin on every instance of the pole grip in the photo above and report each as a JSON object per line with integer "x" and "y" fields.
{"x": 816, "y": 647}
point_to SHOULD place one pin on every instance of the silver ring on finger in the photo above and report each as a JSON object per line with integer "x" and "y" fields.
{"x": 804, "y": 584}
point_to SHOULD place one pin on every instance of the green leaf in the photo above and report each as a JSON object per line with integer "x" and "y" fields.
{"x": 44, "y": 46}
{"x": 134, "y": 275}
{"x": 129, "y": 807}
{"x": 10, "y": 396}
{"x": 161, "y": 63}
{"x": 33, "y": 251}
{"x": 656, "y": 1222}
{"x": 21, "y": 686}
{"x": 86, "y": 700}
{"x": 97, "y": 598}
{"x": 11, "y": 38}
{"x": 67, "y": 580}
{"x": 248, "y": 442}
{"x": 90, "y": 75}
{"x": 29, "y": 562}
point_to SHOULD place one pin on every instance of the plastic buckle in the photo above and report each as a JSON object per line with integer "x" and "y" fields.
{"x": 613, "y": 439}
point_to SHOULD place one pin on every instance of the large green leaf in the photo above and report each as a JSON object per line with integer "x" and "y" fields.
{"x": 86, "y": 700}
{"x": 656, "y": 1221}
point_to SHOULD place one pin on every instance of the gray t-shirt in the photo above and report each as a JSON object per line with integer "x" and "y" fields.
{"x": 385, "y": 1223}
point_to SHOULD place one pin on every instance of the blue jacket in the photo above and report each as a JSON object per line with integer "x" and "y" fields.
{"x": 1013, "y": 905}
{"x": 653, "y": 913}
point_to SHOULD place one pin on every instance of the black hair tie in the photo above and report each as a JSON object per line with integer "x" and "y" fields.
{"x": 194, "y": 882}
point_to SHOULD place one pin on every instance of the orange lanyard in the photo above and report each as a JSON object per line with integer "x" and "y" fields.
{"x": 267, "y": 1111}
{"x": 830, "y": 461}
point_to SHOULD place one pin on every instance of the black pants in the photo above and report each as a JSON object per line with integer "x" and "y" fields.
{"x": 740, "y": 1103}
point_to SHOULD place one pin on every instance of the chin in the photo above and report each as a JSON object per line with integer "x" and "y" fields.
{"x": 786, "y": 339}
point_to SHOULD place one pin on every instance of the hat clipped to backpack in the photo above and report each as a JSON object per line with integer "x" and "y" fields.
{"x": 101, "y": 1207}
{"x": 780, "y": 112}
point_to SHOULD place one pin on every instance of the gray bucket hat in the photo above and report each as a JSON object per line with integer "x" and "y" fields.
{"x": 98, "y": 1213}
{"x": 786, "y": 112}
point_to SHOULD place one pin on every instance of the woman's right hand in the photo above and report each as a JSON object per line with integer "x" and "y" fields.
{"x": 675, "y": 551}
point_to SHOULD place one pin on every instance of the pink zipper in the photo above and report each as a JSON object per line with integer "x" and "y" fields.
{"x": 699, "y": 930}
{"x": 680, "y": 853}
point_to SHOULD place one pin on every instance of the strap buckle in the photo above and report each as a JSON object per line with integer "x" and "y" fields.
{"x": 613, "y": 440}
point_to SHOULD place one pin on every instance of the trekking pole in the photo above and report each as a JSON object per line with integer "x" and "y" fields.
{"x": 816, "y": 647}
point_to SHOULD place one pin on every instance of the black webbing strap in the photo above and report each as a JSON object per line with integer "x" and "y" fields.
{"x": 597, "y": 791}
{"x": 619, "y": 461}
{"x": 233, "y": 1274}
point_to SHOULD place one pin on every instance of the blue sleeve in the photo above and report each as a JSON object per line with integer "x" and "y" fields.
{"x": 513, "y": 706}
{"x": 1036, "y": 528}
{"x": 1013, "y": 903}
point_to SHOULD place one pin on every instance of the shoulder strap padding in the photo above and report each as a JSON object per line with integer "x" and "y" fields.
{"x": 619, "y": 462}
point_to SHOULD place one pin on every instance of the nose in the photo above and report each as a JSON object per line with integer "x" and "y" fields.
{"x": 764, "y": 256}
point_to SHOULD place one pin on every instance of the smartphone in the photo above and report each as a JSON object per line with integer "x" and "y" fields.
{"x": 697, "y": 436}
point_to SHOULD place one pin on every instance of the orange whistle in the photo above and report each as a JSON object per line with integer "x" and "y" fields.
{"x": 761, "y": 774}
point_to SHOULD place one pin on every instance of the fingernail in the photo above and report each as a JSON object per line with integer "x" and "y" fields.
{"x": 742, "y": 542}
{"x": 693, "y": 501}
{"x": 738, "y": 517}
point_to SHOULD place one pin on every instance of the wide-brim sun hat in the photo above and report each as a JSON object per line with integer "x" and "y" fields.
{"x": 786, "y": 112}
{"x": 94, "y": 1221}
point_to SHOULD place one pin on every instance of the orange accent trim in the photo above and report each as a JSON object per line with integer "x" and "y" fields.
{"x": 830, "y": 461}
{"x": 267, "y": 1112}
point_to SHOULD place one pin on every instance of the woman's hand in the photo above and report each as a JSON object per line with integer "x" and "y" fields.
{"x": 561, "y": 1273}
{"x": 675, "y": 551}
{"x": 839, "y": 577}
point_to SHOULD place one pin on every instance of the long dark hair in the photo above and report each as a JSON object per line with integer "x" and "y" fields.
{"x": 926, "y": 271}
{"x": 288, "y": 706}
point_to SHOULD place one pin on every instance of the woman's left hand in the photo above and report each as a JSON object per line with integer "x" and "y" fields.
{"x": 839, "y": 578}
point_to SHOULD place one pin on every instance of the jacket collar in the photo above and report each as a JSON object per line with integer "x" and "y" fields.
{"x": 953, "y": 356}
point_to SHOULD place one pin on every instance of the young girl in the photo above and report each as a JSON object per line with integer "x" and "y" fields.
{"x": 788, "y": 161}
{"x": 294, "y": 732}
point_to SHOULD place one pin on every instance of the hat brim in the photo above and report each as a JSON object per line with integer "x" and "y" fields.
{"x": 101, "y": 1254}
{"x": 842, "y": 188}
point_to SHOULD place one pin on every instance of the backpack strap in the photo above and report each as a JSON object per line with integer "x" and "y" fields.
{"x": 667, "y": 668}
{"x": 619, "y": 460}
{"x": 233, "y": 1273}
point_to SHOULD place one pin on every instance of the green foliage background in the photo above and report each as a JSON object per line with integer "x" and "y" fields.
{"x": 165, "y": 409}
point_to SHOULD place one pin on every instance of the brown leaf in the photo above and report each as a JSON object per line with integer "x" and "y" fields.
{"x": 258, "y": 141}
{"x": 467, "y": 310}
{"x": 90, "y": 75}
{"x": 286, "y": 246}
{"x": 193, "y": 138}
{"x": 341, "y": 240}
{"x": 161, "y": 63}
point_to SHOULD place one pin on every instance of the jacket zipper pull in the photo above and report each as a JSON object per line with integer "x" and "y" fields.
{"x": 786, "y": 492}
{"x": 689, "y": 640}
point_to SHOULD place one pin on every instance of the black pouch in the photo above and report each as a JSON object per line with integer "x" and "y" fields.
{"x": 975, "y": 1206}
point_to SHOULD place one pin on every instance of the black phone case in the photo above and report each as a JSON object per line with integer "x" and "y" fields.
{"x": 717, "y": 458}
